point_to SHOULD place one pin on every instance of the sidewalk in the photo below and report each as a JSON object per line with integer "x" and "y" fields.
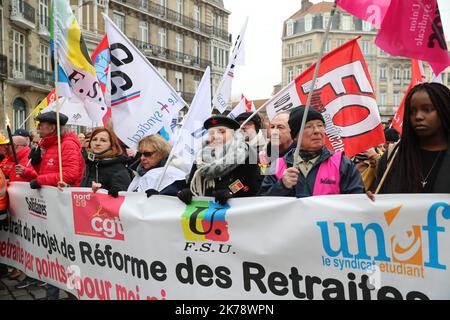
{"x": 33, "y": 292}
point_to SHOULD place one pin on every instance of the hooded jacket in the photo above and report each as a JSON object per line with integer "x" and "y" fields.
{"x": 72, "y": 161}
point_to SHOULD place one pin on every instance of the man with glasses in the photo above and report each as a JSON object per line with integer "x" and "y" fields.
{"x": 318, "y": 171}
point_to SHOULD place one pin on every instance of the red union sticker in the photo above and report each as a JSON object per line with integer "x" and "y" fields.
{"x": 97, "y": 215}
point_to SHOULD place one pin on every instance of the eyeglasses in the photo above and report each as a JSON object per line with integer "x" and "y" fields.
{"x": 148, "y": 154}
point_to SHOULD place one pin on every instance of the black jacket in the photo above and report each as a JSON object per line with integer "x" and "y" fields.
{"x": 112, "y": 173}
{"x": 248, "y": 174}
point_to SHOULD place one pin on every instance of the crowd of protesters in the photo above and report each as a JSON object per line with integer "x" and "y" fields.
{"x": 239, "y": 163}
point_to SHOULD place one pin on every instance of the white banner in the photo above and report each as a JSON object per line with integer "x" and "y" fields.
{"x": 325, "y": 247}
{"x": 75, "y": 110}
{"x": 142, "y": 101}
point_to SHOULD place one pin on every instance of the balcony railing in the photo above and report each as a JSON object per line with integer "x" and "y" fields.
{"x": 33, "y": 74}
{"x": 176, "y": 17}
{"x": 21, "y": 10}
{"x": 154, "y": 51}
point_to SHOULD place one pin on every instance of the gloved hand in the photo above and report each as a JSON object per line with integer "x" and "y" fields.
{"x": 113, "y": 192}
{"x": 34, "y": 184}
{"x": 151, "y": 192}
{"x": 35, "y": 155}
{"x": 185, "y": 195}
{"x": 222, "y": 195}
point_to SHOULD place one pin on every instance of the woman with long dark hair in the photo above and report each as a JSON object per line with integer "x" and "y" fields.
{"x": 106, "y": 163}
{"x": 422, "y": 162}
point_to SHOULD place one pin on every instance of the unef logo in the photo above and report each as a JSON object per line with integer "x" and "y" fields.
{"x": 97, "y": 215}
{"x": 203, "y": 220}
{"x": 406, "y": 246}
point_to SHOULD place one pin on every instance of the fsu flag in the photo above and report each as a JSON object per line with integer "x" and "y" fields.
{"x": 344, "y": 95}
{"x": 414, "y": 29}
{"x": 416, "y": 78}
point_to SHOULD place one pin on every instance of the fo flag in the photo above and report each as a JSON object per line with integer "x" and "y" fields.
{"x": 414, "y": 29}
{"x": 344, "y": 95}
{"x": 417, "y": 77}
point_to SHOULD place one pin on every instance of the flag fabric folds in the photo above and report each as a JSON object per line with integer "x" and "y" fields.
{"x": 76, "y": 74}
{"x": 140, "y": 105}
{"x": 372, "y": 11}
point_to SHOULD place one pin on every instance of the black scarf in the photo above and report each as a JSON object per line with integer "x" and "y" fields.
{"x": 307, "y": 156}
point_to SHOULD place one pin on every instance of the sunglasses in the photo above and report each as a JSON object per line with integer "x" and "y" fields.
{"x": 148, "y": 154}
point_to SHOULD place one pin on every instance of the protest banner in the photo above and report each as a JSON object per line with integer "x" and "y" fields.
{"x": 325, "y": 247}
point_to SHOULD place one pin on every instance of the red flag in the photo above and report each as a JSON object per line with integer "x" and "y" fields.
{"x": 248, "y": 105}
{"x": 345, "y": 96}
{"x": 416, "y": 78}
{"x": 414, "y": 29}
{"x": 101, "y": 60}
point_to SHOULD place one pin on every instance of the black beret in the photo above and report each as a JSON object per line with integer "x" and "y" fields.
{"x": 21, "y": 132}
{"x": 219, "y": 120}
{"x": 296, "y": 117}
{"x": 50, "y": 117}
{"x": 255, "y": 119}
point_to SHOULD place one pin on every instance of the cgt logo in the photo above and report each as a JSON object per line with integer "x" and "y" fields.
{"x": 404, "y": 247}
{"x": 203, "y": 220}
{"x": 97, "y": 215}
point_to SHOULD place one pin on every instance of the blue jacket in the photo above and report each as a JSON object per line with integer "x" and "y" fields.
{"x": 351, "y": 181}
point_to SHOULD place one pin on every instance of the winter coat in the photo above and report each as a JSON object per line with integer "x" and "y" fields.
{"x": 247, "y": 174}
{"x": 350, "y": 179}
{"x": 112, "y": 173}
{"x": 72, "y": 161}
{"x": 22, "y": 157}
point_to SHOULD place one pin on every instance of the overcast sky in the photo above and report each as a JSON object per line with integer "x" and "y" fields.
{"x": 262, "y": 68}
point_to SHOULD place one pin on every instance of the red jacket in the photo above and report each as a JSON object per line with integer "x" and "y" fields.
{"x": 72, "y": 161}
{"x": 22, "y": 156}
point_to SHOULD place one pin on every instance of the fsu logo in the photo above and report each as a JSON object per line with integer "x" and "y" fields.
{"x": 97, "y": 215}
{"x": 204, "y": 220}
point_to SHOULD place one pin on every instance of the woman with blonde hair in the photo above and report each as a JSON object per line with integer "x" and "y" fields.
{"x": 106, "y": 163}
{"x": 154, "y": 151}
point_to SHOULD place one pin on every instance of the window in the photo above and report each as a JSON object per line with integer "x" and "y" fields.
{"x": 179, "y": 9}
{"x": 366, "y": 26}
{"x": 290, "y": 50}
{"x": 382, "y": 53}
{"x": 308, "y": 46}
{"x": 19, "y": 110}
{"x": 396, "y": 98}
{"x": 290, "y": 28}
{"x": 290, "y": 75}
{"x": 383, "y": 99}
{"x": 143, "y": 31}
{"x": 326, "y": 18}
{"x": 299, "y": 70}
{"x": 119, "y": 20}
{"x": 197, "y": 16}
{"x": 162, "y": 8}
{"x": 327, "y": 46}
{"x": 162, "y": 37}
{"x": 299, "y": 46}
{"x": 407, "y": 72}
{"x": 143, "y": 4}
{"x": 366, "y": 47}
{"x": 339, "y": 42}
{"x": 308, "y": 23}
{"x": 196, "y": 49}
{"x": 18, "y": 54}
{"x": 43, "y": 13}
{"x": 45, "y": 57}
{"x": 383, "y": 72}
{"x": 178, "y": 81}
{"x": 163, "y": 72}
{"x": 179, "y": 44}
{"x": 448, "y": 78}
{"x": 396, "y": 72}
{"x": 347, "y": 23}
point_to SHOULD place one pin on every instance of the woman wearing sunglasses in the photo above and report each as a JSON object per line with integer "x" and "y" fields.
{"x": 154, "y": 151}
{"x": 226, "y": 167}
{"x": 106, "y": 163}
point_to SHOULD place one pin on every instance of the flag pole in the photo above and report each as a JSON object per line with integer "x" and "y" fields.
{"x": 313, "y": 84}
{"x": 386, "y": 172}
{"x": 56, "y": 70}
